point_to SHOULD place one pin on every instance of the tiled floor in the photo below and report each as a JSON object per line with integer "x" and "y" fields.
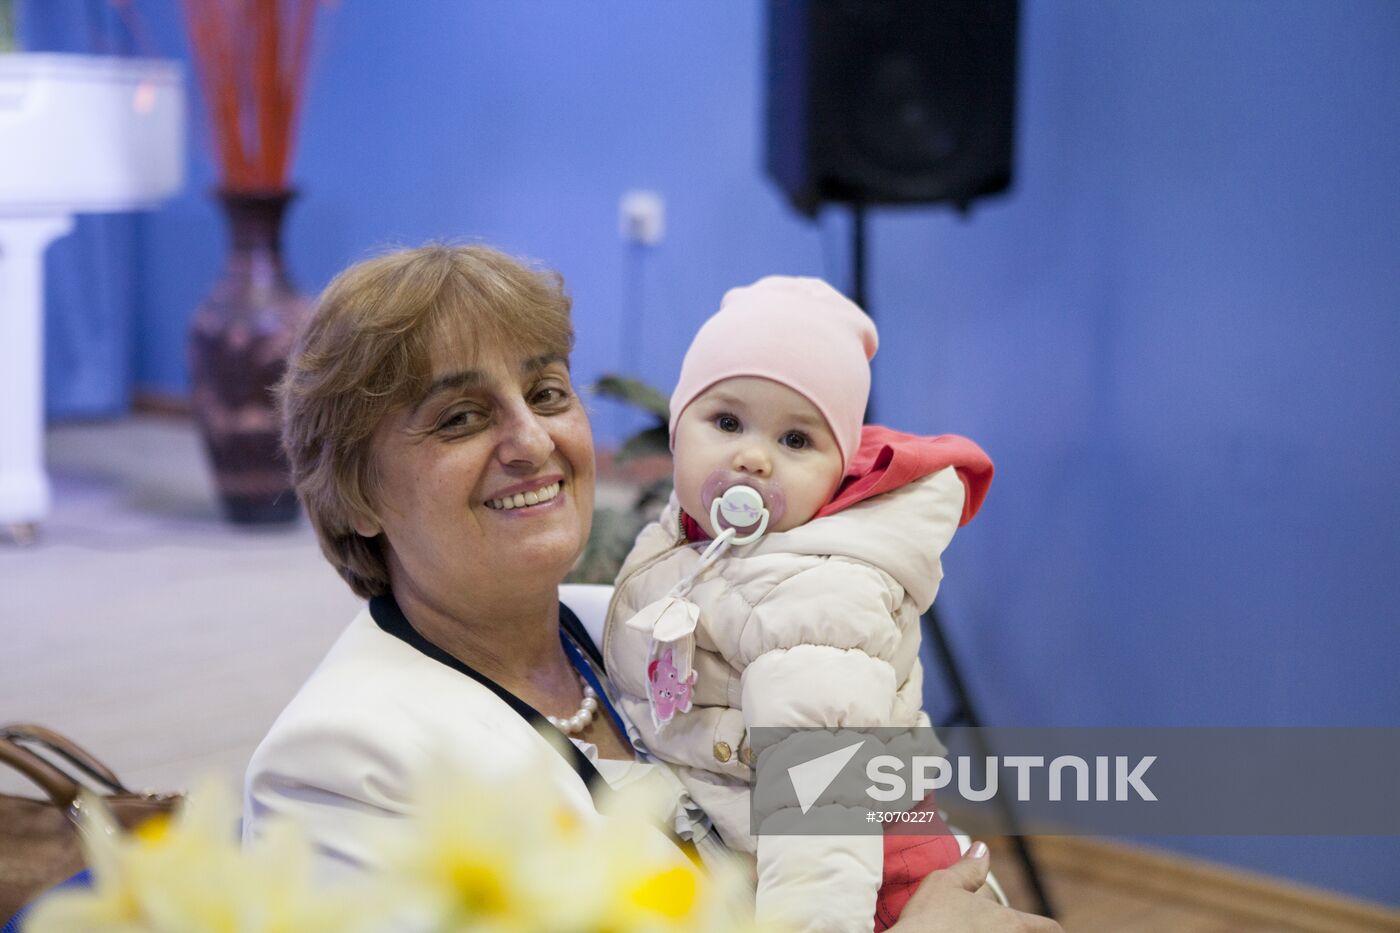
{"x": 143, "y": 626}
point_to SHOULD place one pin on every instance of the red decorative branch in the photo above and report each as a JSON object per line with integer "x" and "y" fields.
{"x": 251, "y": 57}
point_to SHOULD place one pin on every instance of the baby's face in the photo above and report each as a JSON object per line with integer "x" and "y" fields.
{"x": 755, "y": 431}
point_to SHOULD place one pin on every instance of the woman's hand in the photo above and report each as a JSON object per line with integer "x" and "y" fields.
{"x": 949, "y": 900}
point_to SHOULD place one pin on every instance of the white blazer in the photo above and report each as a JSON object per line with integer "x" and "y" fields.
{"x": 342, "y": 758}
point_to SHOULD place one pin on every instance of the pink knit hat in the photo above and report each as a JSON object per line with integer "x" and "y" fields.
{"x": 799, "y": 332}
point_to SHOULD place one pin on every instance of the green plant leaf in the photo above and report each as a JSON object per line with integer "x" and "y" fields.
{"x": 652, "y": 499}
{"x": 645, "y": 443}
{"x": 9, "y": 40}
{"x": 634, "y": 392}
{"x": 609, "y": 543}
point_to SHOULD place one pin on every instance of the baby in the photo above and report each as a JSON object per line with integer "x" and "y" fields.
{"x": 783, "y": 583}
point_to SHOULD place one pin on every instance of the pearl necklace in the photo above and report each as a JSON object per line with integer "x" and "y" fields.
{"x": 572, "y": 725}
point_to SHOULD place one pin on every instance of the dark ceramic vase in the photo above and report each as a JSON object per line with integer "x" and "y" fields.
{"x": 239, "y": 340}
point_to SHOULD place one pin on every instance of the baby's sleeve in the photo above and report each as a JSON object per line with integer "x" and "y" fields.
{"x": 819, "y": 650}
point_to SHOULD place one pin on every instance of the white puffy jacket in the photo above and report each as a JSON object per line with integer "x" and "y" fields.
{"x": 815, "y": 626}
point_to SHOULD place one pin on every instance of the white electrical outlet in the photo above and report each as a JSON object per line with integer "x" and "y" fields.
{"x": 641, "y": 217}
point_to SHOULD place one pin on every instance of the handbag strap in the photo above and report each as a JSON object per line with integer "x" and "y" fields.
{"x": 57, "y": 786}
{"x": 55, "y": 744}
{"x": 63, "y": 768}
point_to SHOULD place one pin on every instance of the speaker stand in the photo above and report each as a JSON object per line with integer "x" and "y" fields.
{"x": 858, "y": 250}
{"x": 858, "y": 254}
{"x": 963, "y": 713}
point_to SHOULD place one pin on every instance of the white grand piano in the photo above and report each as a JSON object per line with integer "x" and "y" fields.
{"x": 78, "y": 133}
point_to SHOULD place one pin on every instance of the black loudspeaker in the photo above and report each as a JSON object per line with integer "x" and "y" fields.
{"x": 891, "y": 101}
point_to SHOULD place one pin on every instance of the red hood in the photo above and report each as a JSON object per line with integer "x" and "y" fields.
{"x": 888, "y": 459}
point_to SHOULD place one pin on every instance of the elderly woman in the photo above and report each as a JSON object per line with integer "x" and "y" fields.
{"x": 446, "y": 463}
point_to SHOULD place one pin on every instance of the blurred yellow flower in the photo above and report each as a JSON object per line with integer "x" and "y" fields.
{"x": 188, "y": 875}
{"x": 669, "y": 893}
{"x": 508, "y": 854}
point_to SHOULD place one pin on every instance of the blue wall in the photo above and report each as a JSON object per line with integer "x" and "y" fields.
{"x": 1179, "y": 337}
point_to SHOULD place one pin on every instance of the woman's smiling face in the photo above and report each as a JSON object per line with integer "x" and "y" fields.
{"x": 488, "y": 478}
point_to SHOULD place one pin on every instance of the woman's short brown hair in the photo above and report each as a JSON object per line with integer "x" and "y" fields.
{"x": 366, "y": 351}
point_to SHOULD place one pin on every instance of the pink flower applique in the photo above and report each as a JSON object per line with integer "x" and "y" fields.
{"x": 670, "y": 693}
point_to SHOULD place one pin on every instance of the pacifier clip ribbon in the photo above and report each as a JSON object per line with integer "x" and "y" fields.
{"x": 671, "y": 620}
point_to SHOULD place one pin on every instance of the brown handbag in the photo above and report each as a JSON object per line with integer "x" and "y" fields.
{"x": 39, "y": 843}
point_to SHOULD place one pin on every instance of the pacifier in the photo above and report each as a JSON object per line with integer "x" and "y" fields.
{"x": 744, "y": 509}
{"x": 740, "y": 507}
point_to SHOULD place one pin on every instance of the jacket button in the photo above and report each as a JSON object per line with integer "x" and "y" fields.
{"x": 723, "y": 752}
